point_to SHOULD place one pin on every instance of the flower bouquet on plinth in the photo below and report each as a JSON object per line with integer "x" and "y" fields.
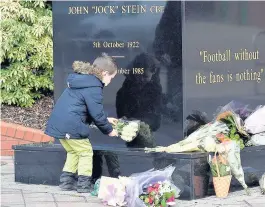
{"x": 235, "y": 125}
{"x": 203, "y": 139}
{"x": 221, "y": 175}
{"x": 160, "y": 194}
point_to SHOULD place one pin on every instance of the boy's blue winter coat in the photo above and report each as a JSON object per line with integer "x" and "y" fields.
{"x": 78, "y": 106}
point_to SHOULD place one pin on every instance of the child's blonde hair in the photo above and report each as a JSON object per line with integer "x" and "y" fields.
{"x": 100, "y": 64}
{"x": 105, "y": 63}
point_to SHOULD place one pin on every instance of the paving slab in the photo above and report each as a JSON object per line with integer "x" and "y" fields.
{"x": 256, "y": 201}
{"x": 7, "y": 158}
{"x": 45, "y": 204}
{"x": 12, "y": 199}
{"x": 13, "y": 205}
{"x": 67, "y": 198}
{"x": 38, "y": 197}
{"x": 83, "y": 204}
{"x": 10, "y": 191}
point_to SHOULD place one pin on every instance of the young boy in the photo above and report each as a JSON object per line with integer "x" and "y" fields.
{"x": 79, "y": 105}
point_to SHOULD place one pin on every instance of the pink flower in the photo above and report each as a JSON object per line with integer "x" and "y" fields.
{"x": 150, "y": 189}
{"x": 151, "y": 200}
{"x": 171, "y": 199}
{"x": 156, "y": 185}
{"x": 153, "y": 188}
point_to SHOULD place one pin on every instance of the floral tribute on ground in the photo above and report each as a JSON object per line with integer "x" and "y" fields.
{"x": 160, "y": 194}
{"x": 153, "y": 188}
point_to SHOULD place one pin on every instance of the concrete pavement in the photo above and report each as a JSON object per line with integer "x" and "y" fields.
{"x": 23, "y": 195}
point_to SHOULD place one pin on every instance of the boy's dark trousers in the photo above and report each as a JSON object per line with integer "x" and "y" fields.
{"x": 112, "y": 162}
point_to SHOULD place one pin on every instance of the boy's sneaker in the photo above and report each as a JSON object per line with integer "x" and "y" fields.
{"x": 84, "y": 184}
{"x": 68, "y": 181}
{"x": 68, "y": 187}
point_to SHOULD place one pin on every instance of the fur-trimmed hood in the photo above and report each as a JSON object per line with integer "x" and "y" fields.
{"x": 85, "y": 76}
{"x": 87, "y": 69}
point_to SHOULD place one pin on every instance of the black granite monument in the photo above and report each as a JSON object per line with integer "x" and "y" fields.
{"x": 174, "y": 58}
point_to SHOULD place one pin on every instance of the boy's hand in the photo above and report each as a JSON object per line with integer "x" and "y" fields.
{"x": 114, "y": 133}
{"x": 112, "y": 120}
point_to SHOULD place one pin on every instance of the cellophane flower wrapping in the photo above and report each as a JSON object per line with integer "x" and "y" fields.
{"x": 235, "y": 124}
{"x": 256, "y": 140}
{"x": 96, "y": 188}
{"x": 255, "y": 123}
{"x": 141, "y": 181}
{"x": 220, "y": 162}
{"x": 203, "y": 139}
{"x": 262, "y": 183}
{"x": 231, "y": 150}
{"x": 112, "y": 191}
{"x": 242, "y": 110}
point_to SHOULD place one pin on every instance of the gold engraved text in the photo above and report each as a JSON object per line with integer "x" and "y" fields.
{"x": 216, "y": 57}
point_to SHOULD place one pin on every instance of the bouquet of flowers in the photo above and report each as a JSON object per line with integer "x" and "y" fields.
{"x": 127, "y": 130}
{"x": 112, "y": 191}
{"x": 231, "y": 150}
{"x": 235, "y": 125}
{"x": 203, "y": 139}
{"x": 160, "y": 194}
{"x": 221, "y": 175}
{"x": 152, "y": 188}
{"x": 255, "y": 123}
{"x": 219, "y": 166}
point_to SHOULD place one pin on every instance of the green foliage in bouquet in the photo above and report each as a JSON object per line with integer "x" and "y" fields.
{"x": 233, "y": 135}
{"x": 26, "y": 51}
{"x": 223, "y": 170}
{"x": 142, "y": 136}
{"x": 119, "y": 126}
{"x": 127, "y": 130}
{"x": 157, "y": 202}
{"x": 222, "y": 165}
{"x": 154, "y": 197}
{"x": 227, "y": 118}
{"x": 165, "y": 197}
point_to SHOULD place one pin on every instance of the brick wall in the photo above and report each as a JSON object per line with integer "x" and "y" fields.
{"x": 13, "y": 134}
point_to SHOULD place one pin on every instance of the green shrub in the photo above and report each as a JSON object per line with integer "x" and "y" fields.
{"x": 26, "y": 51}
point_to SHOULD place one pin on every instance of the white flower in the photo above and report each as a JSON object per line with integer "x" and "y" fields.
{"x": 128, "y": 128}
{"x": 171, "y": 203}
